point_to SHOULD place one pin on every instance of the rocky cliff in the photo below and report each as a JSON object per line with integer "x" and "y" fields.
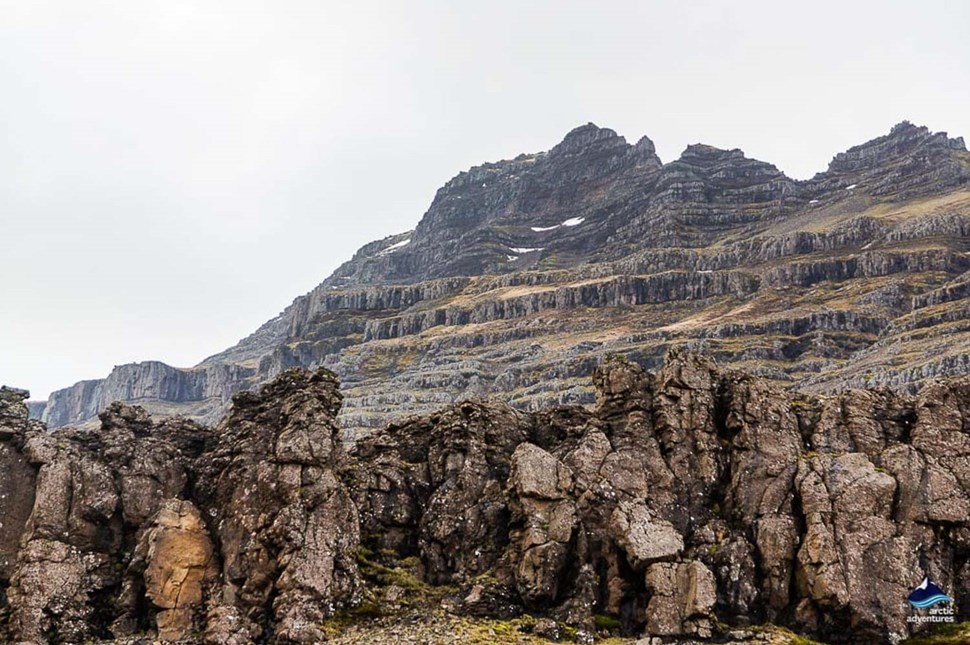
{"x": 694, "y": 503}
{"x": 523, "y": 274}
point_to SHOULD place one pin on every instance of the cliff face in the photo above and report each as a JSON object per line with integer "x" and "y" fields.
{"x": 206, "y": 388}
{"x": 177, "y": 529}
{"x": 690, "y": 503}
{"x": 524, "y": 273}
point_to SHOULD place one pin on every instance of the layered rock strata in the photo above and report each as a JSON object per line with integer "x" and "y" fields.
{"x": 524, "y": 274}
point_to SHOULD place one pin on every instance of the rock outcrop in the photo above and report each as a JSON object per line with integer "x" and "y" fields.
{"x": 684, "y": 504}
{"x": 686, "y": 500}
{"x": 285, "y": 524}
{"x": 95, "y": 493}
{"x": 237, "y": 533}
{"x": 18, "y": 482}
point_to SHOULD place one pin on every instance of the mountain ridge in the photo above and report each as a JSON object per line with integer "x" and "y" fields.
{"x": 603, "y": 225}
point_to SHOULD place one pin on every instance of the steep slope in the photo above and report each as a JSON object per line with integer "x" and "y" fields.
{"x": 524, "y": 273}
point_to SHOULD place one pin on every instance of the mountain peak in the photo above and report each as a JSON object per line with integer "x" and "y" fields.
{"x": 646, "y": 146}
{"x": 906, "y": 127}
{"x": 904, "y": 139}
{"x": 584, "y": 136}
{"x": 704, "y": 152}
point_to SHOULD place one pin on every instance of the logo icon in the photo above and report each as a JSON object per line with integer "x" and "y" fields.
{"x": 926, "y": 595}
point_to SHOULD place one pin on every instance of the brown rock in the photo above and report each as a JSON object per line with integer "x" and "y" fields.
{"x": 644, "y": 539}
{"x": 180, "y": 564}
{"x": 287, "y": 528}
{"x": 537, "y": 474}
{"x": 683, "y": 595}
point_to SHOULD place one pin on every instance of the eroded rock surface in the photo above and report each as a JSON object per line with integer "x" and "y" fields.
{"x": 234, "y": 534}
{"x": 179, "y": 563}
{"x": 685, "y": 505}
{"x": 285, "y": 524}
{"x": 687, "y": 500}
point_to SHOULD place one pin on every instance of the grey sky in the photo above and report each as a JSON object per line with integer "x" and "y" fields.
{"x": 172, "y": 174}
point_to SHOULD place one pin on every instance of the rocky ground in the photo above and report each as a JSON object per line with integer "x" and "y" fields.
{"x": 692, "y": 504}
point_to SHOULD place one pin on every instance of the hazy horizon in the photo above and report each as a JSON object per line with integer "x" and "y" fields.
{"x": 174, "y": 174}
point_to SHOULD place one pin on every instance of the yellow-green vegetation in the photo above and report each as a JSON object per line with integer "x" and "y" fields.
{"x": 348, "y": 616}
{"x": 500, "y": 632}
{"x": 444, "y": 628}
{"x": 784, "y": 636}
{"x": 956, "y": 634}
{"x": 606, "y": 623}
{"x": 826, "y": 218}
{"x": 486, "y": 578}
{"x": 569, "y": 633}
{"x": 399, "y": 573}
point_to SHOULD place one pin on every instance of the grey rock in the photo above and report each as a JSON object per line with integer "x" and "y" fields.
{"x": 820, "y": 284}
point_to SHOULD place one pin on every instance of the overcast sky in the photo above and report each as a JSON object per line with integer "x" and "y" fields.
{"x": 173, "y": 174}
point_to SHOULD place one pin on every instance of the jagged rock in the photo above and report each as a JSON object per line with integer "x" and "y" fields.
{"x": 849, "y": 537}
{"x": 689, "y": 497}
{"x": 17, "y": 483}
{"x": 94, "y": 493}
{"x": 683, "y": 595}
{"x": 70, "y": 552}
{"x": 434, "y": 486}
{"x": 688, "y": 503}
{"x": 537, "y": 474}
{"x": 644, "y": 539}
{"x": 286, "y": 526}
{"x": 547, "y": 519}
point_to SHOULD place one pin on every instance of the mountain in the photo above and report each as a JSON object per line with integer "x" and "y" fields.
{"x": 524, "y": 274}
{"x": 695, "y": 504}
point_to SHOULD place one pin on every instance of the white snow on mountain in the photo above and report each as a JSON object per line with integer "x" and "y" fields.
{"x": 572, "y": 221}
{"x": 395, "y": 247}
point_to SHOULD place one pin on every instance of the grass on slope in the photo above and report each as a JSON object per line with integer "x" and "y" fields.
{"x": 826, "y": 217}
{"x": 955, "y": 634}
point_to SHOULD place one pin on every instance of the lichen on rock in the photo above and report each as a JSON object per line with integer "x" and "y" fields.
{"x": 689, "y": 504}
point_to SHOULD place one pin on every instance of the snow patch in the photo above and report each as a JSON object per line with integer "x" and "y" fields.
{"x": 395, "y": 247}
{"x": 512, "y": 258}
{"x": 851, "y": 187}
{"x": 814, "y": 201}
{"x": 525, "y": 250}
{"x": 572, "y": 221}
